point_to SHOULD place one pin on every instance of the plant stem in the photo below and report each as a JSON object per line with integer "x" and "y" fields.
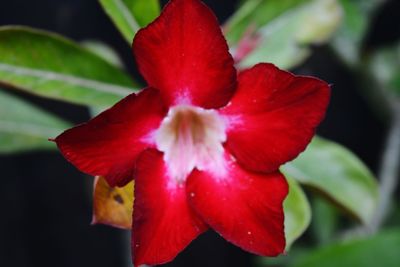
{"x": 126, "y": 242}
{"x": 389, "y": 171}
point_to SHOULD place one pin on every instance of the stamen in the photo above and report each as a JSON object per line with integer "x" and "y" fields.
{"x": 191, "y": 137}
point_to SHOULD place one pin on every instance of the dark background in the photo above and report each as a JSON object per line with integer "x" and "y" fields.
{"x": 45, "y": 204}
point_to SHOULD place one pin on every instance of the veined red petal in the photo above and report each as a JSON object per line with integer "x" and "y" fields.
{"x": 244, "y": 207}
{"x": 273, "y": 116}
{"x": 184, "y": 54}
{"x": 108, "y": 144}
{"x": 163, "y": 222}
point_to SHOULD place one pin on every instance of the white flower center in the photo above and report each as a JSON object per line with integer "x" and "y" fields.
{"x": 191, "y": 137}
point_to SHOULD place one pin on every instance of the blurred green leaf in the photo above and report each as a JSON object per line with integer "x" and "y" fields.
{"x": 104, "y": 51}
{"x": 255, "y": 14}
{"x": 339, "y": 175}
{"x": 108, "y": 54}
{"x": 348, "y": 39}
{"x": 94, "y": 111}
{"x": 379, "y": 250}
{"x": 130, "y": 15}
{"x": 385, "y": 67}
{"x": 295, "y": 254}
{"x": 297, "y": 212}
{"x": 285, "y": 40}
{"x": 48, "y": 65}
{"x": 25, "y": 127}
{"x": 396, "y": 83}
{"x": 325, "y": 220}
{"x": 393, "y": 219}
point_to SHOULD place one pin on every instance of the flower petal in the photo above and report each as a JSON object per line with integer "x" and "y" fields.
{"x": 244, "y": 207}
{"x": 108, "y": 144}
{"x": 184, "y": 54}
{"x": 163, "y": 222}
{"x": 273, "y": 116}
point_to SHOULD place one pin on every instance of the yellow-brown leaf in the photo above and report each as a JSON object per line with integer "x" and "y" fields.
{"x": 112, "y": 206}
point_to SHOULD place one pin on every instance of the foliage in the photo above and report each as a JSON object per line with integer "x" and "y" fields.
{"x": 57, "y": 68}
{"x": 339, "y": 175}
{"x": 112, "y": 206}
{"x": 282, "y": 30}
{"x": 378, "y": 250}
{"x": 130, "y": 15}
{"x": 24, "y": 126}
{"x": 297, "y": 212}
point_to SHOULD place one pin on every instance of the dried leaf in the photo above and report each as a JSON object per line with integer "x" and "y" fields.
{"x": 112, "y": 206}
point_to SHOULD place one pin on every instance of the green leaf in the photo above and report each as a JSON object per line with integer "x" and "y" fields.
{"x": 379, "y": 250}
{"x": 385, "y": 67}
{"x": 348, "y": 39}
{"x": 285, "y": 40}
{"x": 130, "y": 15}
{"x": 25, "y": 127}
{"x": 104, "y": 51}
{"x": 339, "y": 175}
{"x": 255, "y": 14}
{"x": 51, "y": 66}
{"x": 295, "y": 253}
{"x": 297, "y": 212}
{"x": 325, "y": 220}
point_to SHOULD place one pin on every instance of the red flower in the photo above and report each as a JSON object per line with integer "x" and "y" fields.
{"x": 203, "y": 144}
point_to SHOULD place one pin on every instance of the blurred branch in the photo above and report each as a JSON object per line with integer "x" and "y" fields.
{"x": 387, "y": 105}
{"x": 126, "y": 243}
{"x": 389, "y": 170}
{"x": 390, "y": 161}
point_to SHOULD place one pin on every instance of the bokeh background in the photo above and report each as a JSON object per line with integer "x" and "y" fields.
{"x": 46, "y": 204}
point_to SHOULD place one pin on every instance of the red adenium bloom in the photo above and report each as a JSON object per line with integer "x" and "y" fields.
{"x": 202, "y": 142}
